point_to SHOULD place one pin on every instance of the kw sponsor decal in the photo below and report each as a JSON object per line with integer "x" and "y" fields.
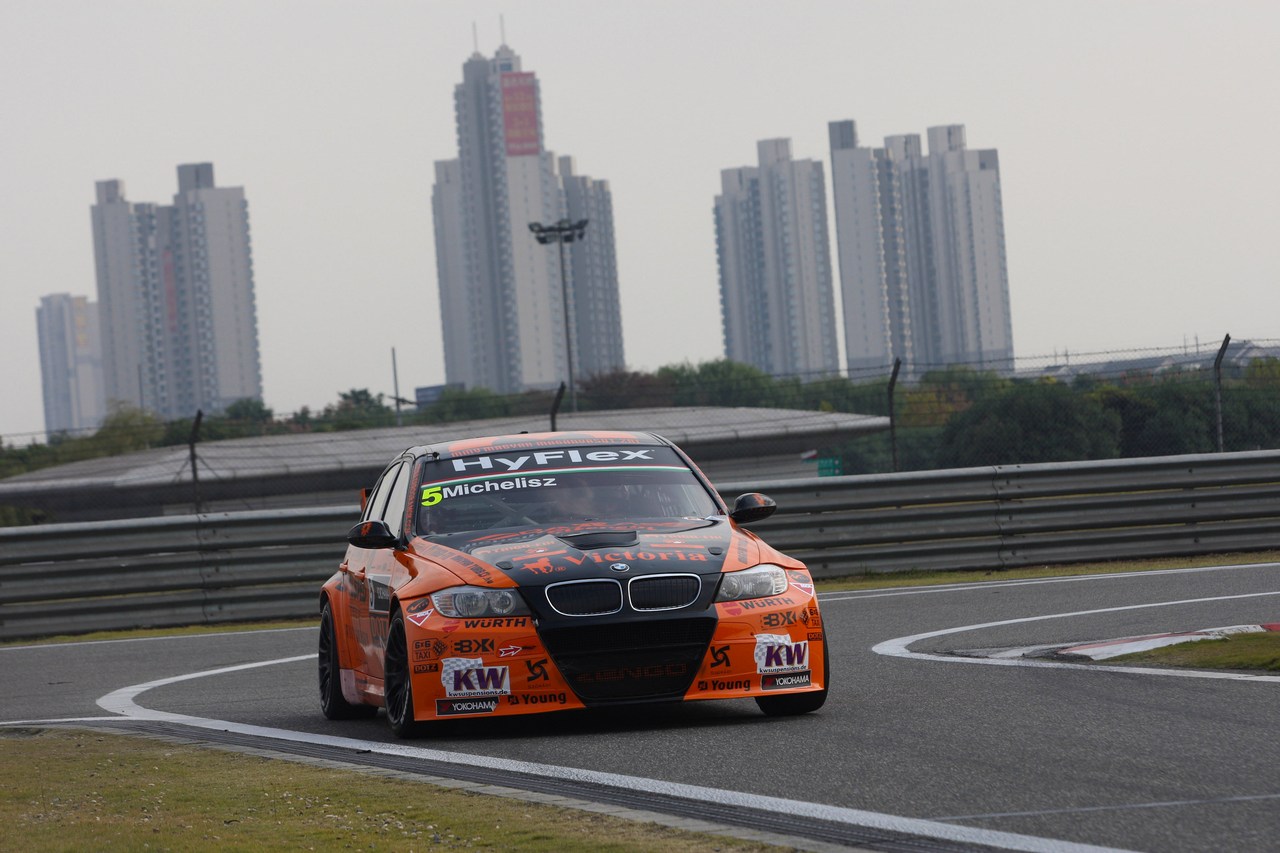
{"x": 720, "y": 684}
{"x": 785, "y": 682}
{"x": 537, "y": 699}
{"x": 777, "y": 653}
{"x": 420, "y": 668}
{"x": 472, "y": 646}
{"x": 455, "y": 707}
{"x": 537, "y": 670}
{"x": 465, "y": 677}
{"x": 719, "y": 656}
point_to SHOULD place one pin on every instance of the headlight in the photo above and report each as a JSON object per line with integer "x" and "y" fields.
{"x": 759, "y": 582}
{"x": 466, "y": 602}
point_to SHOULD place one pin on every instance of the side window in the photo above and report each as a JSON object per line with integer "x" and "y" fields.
{"x": 393, "y": 513}
{"x": 378, "y": 499}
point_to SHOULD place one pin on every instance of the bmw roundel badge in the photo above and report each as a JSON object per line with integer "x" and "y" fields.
{"x": 620, "y": 567}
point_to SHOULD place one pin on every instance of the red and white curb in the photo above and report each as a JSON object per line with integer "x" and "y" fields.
{"x": 1114, "y": 648}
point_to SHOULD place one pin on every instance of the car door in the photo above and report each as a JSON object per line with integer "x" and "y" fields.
{"x": 359, "y": 564}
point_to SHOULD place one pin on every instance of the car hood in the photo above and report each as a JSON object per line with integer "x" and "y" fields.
{"x": 539, "y": 556}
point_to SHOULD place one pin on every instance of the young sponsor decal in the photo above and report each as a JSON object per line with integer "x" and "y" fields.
{"x": 466, "y": 677}
{"x": 721, "y": 684}
{"x": 778, "y": 653}
{"x": 537, "y": 699}
{"x": 784, "y": 681}
{"x": 456, "y": 707}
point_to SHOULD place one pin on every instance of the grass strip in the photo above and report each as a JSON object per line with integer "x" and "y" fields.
{"x": 107, "y": 792}
{"x": 1258, "y": 652}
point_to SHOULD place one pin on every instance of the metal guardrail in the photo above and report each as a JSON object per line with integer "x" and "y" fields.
{"x": 221, "y": 567}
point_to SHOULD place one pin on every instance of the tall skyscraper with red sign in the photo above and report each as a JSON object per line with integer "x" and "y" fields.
{"x": 501, "y": 303}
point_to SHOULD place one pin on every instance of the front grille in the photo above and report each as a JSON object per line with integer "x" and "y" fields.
{"x": 664, "y": 592}
{"x": 585, "y": 598}
{"x": 652, "y": 659}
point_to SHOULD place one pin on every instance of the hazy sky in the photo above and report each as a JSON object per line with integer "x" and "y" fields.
{"x": 1141, "y": 195}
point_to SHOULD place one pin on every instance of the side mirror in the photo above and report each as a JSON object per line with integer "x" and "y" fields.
{"x": 372, "y": 534}
{"x": 751, "y": 507}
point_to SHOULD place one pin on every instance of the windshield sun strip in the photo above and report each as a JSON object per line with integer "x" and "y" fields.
{"x": 543, "y": 472}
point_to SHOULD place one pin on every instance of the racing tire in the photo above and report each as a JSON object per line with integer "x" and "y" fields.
{"x": 332, "y": 703}
{"x": 789, "y": 705}
{"x": 397, "y": 685}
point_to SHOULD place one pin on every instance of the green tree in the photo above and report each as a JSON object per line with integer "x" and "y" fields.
{"x": 1030, "y": 422}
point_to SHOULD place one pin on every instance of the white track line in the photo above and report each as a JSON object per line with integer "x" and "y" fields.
{"x": 123, "y": 701}
{"x": 900, "y": 646}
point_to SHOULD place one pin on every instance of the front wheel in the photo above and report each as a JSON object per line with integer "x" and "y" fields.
{"x": 332, "y": 703}
{"x": 398, "y": 690}
{"x": 791, "y": 704}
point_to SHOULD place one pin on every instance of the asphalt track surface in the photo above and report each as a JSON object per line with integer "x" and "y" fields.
{"x": 918, "y": 748}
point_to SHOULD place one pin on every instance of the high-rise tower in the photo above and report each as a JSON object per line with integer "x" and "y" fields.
{"x": 501, "y": 295}
{"x": 70, "y": 363}
{"x": 176, "y": 297}
{"x": 776, "y": 299}
{"x": 922, "y": 255}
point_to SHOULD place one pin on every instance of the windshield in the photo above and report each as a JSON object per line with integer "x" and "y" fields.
{"x": 538, "y": 488}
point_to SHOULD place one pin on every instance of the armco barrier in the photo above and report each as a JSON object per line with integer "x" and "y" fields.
{"x": 219, "y": 567}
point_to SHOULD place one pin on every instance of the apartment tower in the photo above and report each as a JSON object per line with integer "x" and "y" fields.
{"x": 922, "y": 256}
{"x": 70, "y": 363}
{"x": 501, "y": 293}
{"x": 176, "y": 297}
{"x": 776, "y": 300}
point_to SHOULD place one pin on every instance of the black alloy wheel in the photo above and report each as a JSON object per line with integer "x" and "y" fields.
{"x": 791, "y": 704}
{"x": 398, "y": 691}
{"x": 332, "y": 703}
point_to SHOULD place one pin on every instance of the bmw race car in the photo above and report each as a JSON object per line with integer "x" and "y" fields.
{"x": 528, "y": 573}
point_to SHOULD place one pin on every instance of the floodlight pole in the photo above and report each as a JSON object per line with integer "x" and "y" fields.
{"x": 560, "y": 233}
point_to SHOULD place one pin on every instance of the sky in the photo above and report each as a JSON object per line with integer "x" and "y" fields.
{"x": 1141, "y": 197}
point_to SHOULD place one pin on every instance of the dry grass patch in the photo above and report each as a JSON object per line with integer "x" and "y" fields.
{"x": 1256, "y": 652}
{"x": 70, "y": 790}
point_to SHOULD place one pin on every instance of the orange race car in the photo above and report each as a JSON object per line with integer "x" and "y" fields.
{"x": 527, "y": 573}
